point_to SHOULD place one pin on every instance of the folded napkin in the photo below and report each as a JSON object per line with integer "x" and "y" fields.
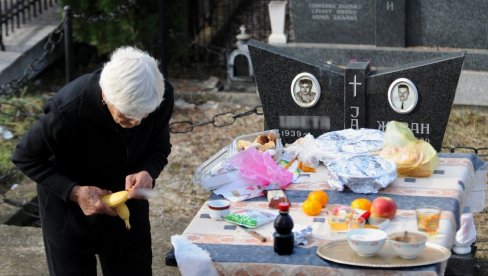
{"x": 191, "y": 259}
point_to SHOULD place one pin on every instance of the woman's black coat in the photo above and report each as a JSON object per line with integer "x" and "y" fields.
{"x": 77, "y": 142}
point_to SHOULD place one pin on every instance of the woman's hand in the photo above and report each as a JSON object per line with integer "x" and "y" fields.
{"x": 136, "y": 181}
{"x": 89, "y": 200}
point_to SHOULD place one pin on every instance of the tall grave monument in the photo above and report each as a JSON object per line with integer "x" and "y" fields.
{"x": 302, "y": 94}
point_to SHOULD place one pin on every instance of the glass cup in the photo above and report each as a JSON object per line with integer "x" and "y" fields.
{"x": 339, "y": 217}
{"x": 428, "y": 219}
{"x": 356, "y": 222}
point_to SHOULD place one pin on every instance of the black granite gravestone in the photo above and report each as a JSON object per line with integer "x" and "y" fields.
{"x": 303, "y": 95}
{"x": 441, "y": 23}
{"x": 446, "y": 23}
{"x": 379, "y": 22}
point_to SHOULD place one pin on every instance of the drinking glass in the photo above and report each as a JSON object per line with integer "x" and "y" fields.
{"x": 339, "y": 217}
{"x": 428, "y": 219}
{"x": 356, "y": 222}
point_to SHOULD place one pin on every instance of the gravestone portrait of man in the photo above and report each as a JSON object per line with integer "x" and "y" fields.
{"x": 305, "y": 90}
{"x": 402, "y": 96}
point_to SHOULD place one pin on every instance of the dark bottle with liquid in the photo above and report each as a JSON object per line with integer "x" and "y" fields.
{"x": 283, "y": 236}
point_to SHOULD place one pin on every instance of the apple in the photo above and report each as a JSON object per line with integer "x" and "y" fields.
{"x": 383, "y": 207}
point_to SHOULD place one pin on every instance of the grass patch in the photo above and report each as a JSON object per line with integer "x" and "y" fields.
{"x": 467, "y": 127}
{"x": 17, "y": 114}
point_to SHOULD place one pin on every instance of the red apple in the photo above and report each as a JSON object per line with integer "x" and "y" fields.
{"x": 383, "y": 207}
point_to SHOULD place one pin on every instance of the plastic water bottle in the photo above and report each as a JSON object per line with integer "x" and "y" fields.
{"x": 283, "y": 236}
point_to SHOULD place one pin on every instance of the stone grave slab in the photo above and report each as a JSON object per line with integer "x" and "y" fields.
{"x": 301, "y": 94}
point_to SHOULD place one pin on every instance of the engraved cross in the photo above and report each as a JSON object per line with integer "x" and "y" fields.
{"x": 355, "y": 85}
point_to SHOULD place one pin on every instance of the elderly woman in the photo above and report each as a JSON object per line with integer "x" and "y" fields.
{"x": 104, "y": 132}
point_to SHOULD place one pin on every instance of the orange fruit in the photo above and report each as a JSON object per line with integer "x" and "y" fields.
{"x": 361, "y": 203}
{"x": 320, "y": 196}
{"x": 311, "y": 207}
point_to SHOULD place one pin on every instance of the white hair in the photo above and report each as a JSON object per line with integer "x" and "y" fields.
{"x": 132, "y": 82}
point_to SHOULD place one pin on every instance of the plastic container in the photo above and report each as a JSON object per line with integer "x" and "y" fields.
{"x": 275, "y": 152}
{"x": 214, "y": 172}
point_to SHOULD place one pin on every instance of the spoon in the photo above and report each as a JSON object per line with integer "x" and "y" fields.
{"x": 405, "y": 234}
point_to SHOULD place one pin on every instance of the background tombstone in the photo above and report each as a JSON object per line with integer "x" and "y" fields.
{"x": 431, "y": 85}
{"x": 410, "y": 30}
{"x": 400, "y": 23}
{"x": 379, "y": 22}
{"x": 390, "y": 23}
{"x": 239, "y": 66}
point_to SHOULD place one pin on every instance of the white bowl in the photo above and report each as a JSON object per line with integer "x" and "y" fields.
{"x": 218, "y": 208}
{"x": 366, "y": 242}
{"x": 410, "y": 249}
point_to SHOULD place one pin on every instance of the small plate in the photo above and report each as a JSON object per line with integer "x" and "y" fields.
{"x": 340, "y": 252}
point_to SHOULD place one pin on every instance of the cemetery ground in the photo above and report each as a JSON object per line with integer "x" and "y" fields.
{"x": 180, "y": 199}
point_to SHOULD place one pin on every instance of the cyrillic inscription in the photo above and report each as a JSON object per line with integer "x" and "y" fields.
{"x": 333, "y": 11}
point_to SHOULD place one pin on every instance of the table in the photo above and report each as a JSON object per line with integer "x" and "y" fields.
{"x": 457, "y": 186}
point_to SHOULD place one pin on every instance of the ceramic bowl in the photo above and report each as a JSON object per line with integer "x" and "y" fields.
{"x": 218, "y": 208}
{"x": 410, "y": 248}
{"x": 366, "y": 242}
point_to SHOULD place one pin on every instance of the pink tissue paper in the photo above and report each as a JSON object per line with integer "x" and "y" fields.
{"x": 259, "y": 168}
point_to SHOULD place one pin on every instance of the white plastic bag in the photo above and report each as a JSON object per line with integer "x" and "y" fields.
{"x": 466, "y": 235}
{"x": 305, "y": 149}
{"x": 191, "y": 259}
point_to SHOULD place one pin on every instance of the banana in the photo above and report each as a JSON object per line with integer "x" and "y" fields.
{"x": 123, "y": 212}
{"x": 116, "y": 201}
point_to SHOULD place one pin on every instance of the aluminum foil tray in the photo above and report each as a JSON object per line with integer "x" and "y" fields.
{"x": 349, "y": 142}
{"x": 364, "y": 174}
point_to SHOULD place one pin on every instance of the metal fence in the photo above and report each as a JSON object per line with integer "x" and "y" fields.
{"x": 217, "y": 22}
{"x": 211, "y": 34}
{"x": 13, "y": 13}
